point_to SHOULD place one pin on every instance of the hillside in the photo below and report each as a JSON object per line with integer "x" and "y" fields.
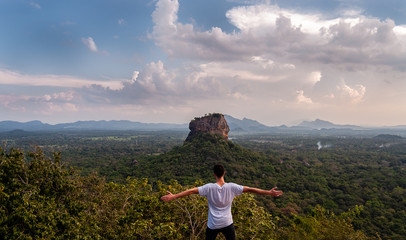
{"x": 206, "y": 145}
{"x": 42, "y": 199}
{"x": 194, "y": 160}
{"x": 388, "y": 137}
{"x": 339, "y": 178}
{"x": 361, "y": 180}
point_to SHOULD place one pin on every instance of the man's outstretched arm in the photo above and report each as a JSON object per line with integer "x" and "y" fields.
{"x": 170, "y": 196}
{"x": 272, "y": 192}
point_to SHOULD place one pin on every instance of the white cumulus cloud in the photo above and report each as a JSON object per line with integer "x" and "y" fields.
{"x": 356, "y": 93}
{"x": 301, "y": 98}
{"x": 90, "y": 44}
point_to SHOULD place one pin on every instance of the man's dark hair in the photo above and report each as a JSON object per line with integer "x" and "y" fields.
{"x": 218, "y": 170}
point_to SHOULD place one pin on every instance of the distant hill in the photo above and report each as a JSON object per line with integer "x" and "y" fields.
{"x": 237, "y": 126}
{"x": 245, "y": 125}
{"x": 320, "y": 124}
{"x": 388, "y": 137}
{"x": 6, "y": 126}
{"x": 34, "y": 126}
{"x": 119, "y": 125}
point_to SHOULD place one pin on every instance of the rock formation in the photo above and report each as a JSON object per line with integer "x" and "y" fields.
{"x": 214, "y": 123}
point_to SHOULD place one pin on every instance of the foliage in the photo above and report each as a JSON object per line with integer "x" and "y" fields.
{"x": 338, "y": 174}
{"x": 33, "y": 196}
{"x": 40, "y": 198}
{"x": 322, "y": 224}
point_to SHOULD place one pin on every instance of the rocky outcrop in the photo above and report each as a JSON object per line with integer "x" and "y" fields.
{"x": 214, "y": 123}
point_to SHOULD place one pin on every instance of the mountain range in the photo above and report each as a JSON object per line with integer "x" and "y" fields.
{"x": 237, "y": 126}
{"x": 6, "y": 126}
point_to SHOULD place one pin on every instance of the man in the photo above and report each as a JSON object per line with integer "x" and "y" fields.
{"x": 220, "y": 196}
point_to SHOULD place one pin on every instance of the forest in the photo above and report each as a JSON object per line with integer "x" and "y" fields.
{"x": 107, "y": 184}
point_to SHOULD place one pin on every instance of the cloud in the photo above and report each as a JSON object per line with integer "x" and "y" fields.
{"x": 301, "y": 98}
{"x": 283, "y": 35}
{"x": 35, "y": 5}
{"x": 90, "y": 44}
{"x": 155, "y": 78}
{"x": 314, "y": 77}
{"x": 400, "y": 30}
{"x": 181, "y": 40}
{"x": 48, "y": 104}
{"x": 53, "y": 108}
{"x": 236, "y": 70}
{"x": 277, "y": 51}
{"x": 61, "y": 96}
{"x": 355, "y": 94}
{"x": 8, "y": 77}
{"x": 262, "y": 17}
{"x": 156, "y": 84}
{"x": 121, "y": 21}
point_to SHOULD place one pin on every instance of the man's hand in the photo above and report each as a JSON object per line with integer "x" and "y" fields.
{"x": 274, "y": 192}
{"x": 168, "y": 197}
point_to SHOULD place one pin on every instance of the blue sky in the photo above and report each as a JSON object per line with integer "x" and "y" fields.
{"x": 279, "y": 62}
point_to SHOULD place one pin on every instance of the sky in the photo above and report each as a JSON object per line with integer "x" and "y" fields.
{"x": 168, "y": 61}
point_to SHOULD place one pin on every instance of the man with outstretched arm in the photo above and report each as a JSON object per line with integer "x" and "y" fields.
{"x": 220, "y": 196}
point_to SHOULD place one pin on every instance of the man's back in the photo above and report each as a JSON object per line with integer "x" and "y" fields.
{"x": 220, "y": 199}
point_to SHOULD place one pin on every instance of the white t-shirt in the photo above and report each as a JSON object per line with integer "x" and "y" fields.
{"x": 220, "y": 200}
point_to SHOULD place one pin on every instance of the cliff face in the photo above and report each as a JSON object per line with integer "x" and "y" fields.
{"x": 213, "y": 123}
